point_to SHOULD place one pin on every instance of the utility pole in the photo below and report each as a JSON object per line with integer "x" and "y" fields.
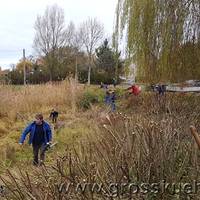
{"x": 24, "y": 59}
{"x": 76, "y": 70}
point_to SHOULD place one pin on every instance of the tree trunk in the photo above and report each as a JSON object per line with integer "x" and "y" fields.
{"x": 89, "y": 73}
{"x": 89, "y": 70}
{"x": 116, "y": 70}
{"x": 76, "y": 71}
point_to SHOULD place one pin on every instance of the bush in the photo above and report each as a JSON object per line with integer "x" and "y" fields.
{"x": 97, "y": 78}
{"x": 87, "y": 99}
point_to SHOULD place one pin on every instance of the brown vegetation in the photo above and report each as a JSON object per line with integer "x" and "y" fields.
{"x": 151, "y": 143}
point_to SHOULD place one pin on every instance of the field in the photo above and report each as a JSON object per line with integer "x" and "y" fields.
{"x": 129, "y": 154}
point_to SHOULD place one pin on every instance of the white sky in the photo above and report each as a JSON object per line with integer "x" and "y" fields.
{"x": 17, "y": 18}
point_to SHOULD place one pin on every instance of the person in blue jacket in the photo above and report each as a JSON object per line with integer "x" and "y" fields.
{"x": 40, "y": 136}
{"x": 107, "y": 98}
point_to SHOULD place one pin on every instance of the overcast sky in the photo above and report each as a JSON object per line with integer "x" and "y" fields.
{"x": 17, "y": 18}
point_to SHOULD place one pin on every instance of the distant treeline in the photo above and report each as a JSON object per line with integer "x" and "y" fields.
{"x": 69, "y": 62}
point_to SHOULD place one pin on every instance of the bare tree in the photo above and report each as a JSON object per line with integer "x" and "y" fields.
{"x": 74, "y": 41}
{"x": 50, "y": 35}
{"x": 70, "y": 32}
{"x": 91, "y": 32}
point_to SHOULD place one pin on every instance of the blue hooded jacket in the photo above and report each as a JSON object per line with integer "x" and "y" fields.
{"x": 31, "y": 129}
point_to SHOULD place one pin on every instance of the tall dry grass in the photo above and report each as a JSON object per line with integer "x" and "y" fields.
{"x": 19, "y": 104}
{"x": 20, "y": 101}
{"x": 151, "y": 144}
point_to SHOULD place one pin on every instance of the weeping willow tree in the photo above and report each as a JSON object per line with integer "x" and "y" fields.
{"x": 163, "y": 37}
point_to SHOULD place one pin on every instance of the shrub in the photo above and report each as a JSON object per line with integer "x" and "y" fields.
{"x": 87, "y": 99}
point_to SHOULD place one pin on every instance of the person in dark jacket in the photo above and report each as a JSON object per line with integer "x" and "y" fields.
{"x": 114, "y": 82}
{"x": 40, "y": 136}
{"x": 53, "y": 116}
{"x": 112, "y": 101}
{"x": 161, "y": 89}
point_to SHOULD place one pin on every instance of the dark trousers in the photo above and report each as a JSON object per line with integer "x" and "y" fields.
{"x": 36, "y": 149}
{"x": 54, "y": 119}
